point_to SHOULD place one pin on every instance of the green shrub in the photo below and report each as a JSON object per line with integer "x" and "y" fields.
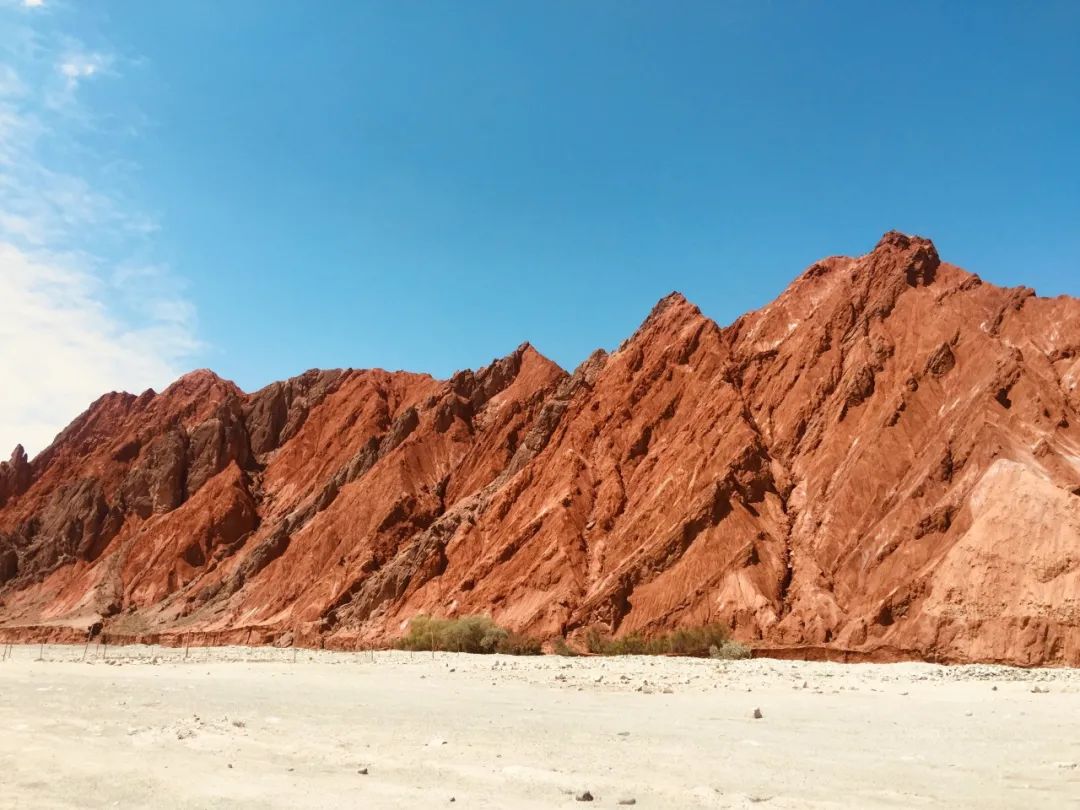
{"x": 594, "y": 641}
{"x": 729, "y": 651}
{"x": 627, "y": 645}
{"x": 469, "y": 634}
{"x": 699, "y": 642}
{"x": 479, "y": 634}
{"x": 560, "y": 647}
{"x": 517, "y": 644}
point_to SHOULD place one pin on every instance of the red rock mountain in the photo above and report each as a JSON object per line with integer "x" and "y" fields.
{"x": 883, "y": 463}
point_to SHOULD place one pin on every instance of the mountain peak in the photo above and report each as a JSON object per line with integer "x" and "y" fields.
{"x": 673, "y": 299}
{"x": 199, "y": 376}
{"x": 199, "y": 380}
{"x": 901, "y": 240}
{"x": 672, "y": 309}
{"x": 914, "y": 256}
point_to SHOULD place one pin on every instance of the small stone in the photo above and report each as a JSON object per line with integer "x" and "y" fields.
{"x": 628, "y": 800}
{"x": 362, "y": 771}
{"x": 757, "y": 714}
{"x": 584, "y": 797}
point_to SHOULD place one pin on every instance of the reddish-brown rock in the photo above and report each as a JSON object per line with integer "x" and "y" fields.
{"x": 883, "y": 463}
{"x": 14, "y": 475}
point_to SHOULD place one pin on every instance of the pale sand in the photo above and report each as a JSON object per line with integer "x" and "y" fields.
{"x": 236, "y": 727}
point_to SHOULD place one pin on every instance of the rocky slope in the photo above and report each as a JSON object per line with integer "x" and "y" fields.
{"x": 883, "y": 463}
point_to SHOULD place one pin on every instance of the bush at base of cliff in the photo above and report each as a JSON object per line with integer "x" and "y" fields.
{"x": 468, "y": 634}
{"x": 707, "y": 641}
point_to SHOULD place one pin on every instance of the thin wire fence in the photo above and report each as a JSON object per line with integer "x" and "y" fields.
{"x": 99, "y": 651}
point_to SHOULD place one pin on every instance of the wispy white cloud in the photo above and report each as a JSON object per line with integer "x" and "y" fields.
{"x": 82, "y": 310}
{"x": 28, "y": 6}
{"x": 69, "y": 346}
{"x": 76, "y": 67}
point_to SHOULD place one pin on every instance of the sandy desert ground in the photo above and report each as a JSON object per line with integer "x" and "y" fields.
{"x": 235, "y": 727}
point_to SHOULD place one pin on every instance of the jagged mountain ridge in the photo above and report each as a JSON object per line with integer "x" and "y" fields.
{"x": 882, "y": 463}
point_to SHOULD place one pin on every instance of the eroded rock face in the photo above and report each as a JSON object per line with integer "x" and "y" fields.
{"x": 14, "y": 475}
{"x": 274, "y": 414}
{"x": 156, "y": 484}
{"x": 882, "y": 463}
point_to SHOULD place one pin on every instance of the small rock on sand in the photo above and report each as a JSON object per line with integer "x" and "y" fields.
{"x": 585, "y": 796}
{"x": 757, "y": 714}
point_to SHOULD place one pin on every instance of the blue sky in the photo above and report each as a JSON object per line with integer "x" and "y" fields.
{"x": 265, "y": 187}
